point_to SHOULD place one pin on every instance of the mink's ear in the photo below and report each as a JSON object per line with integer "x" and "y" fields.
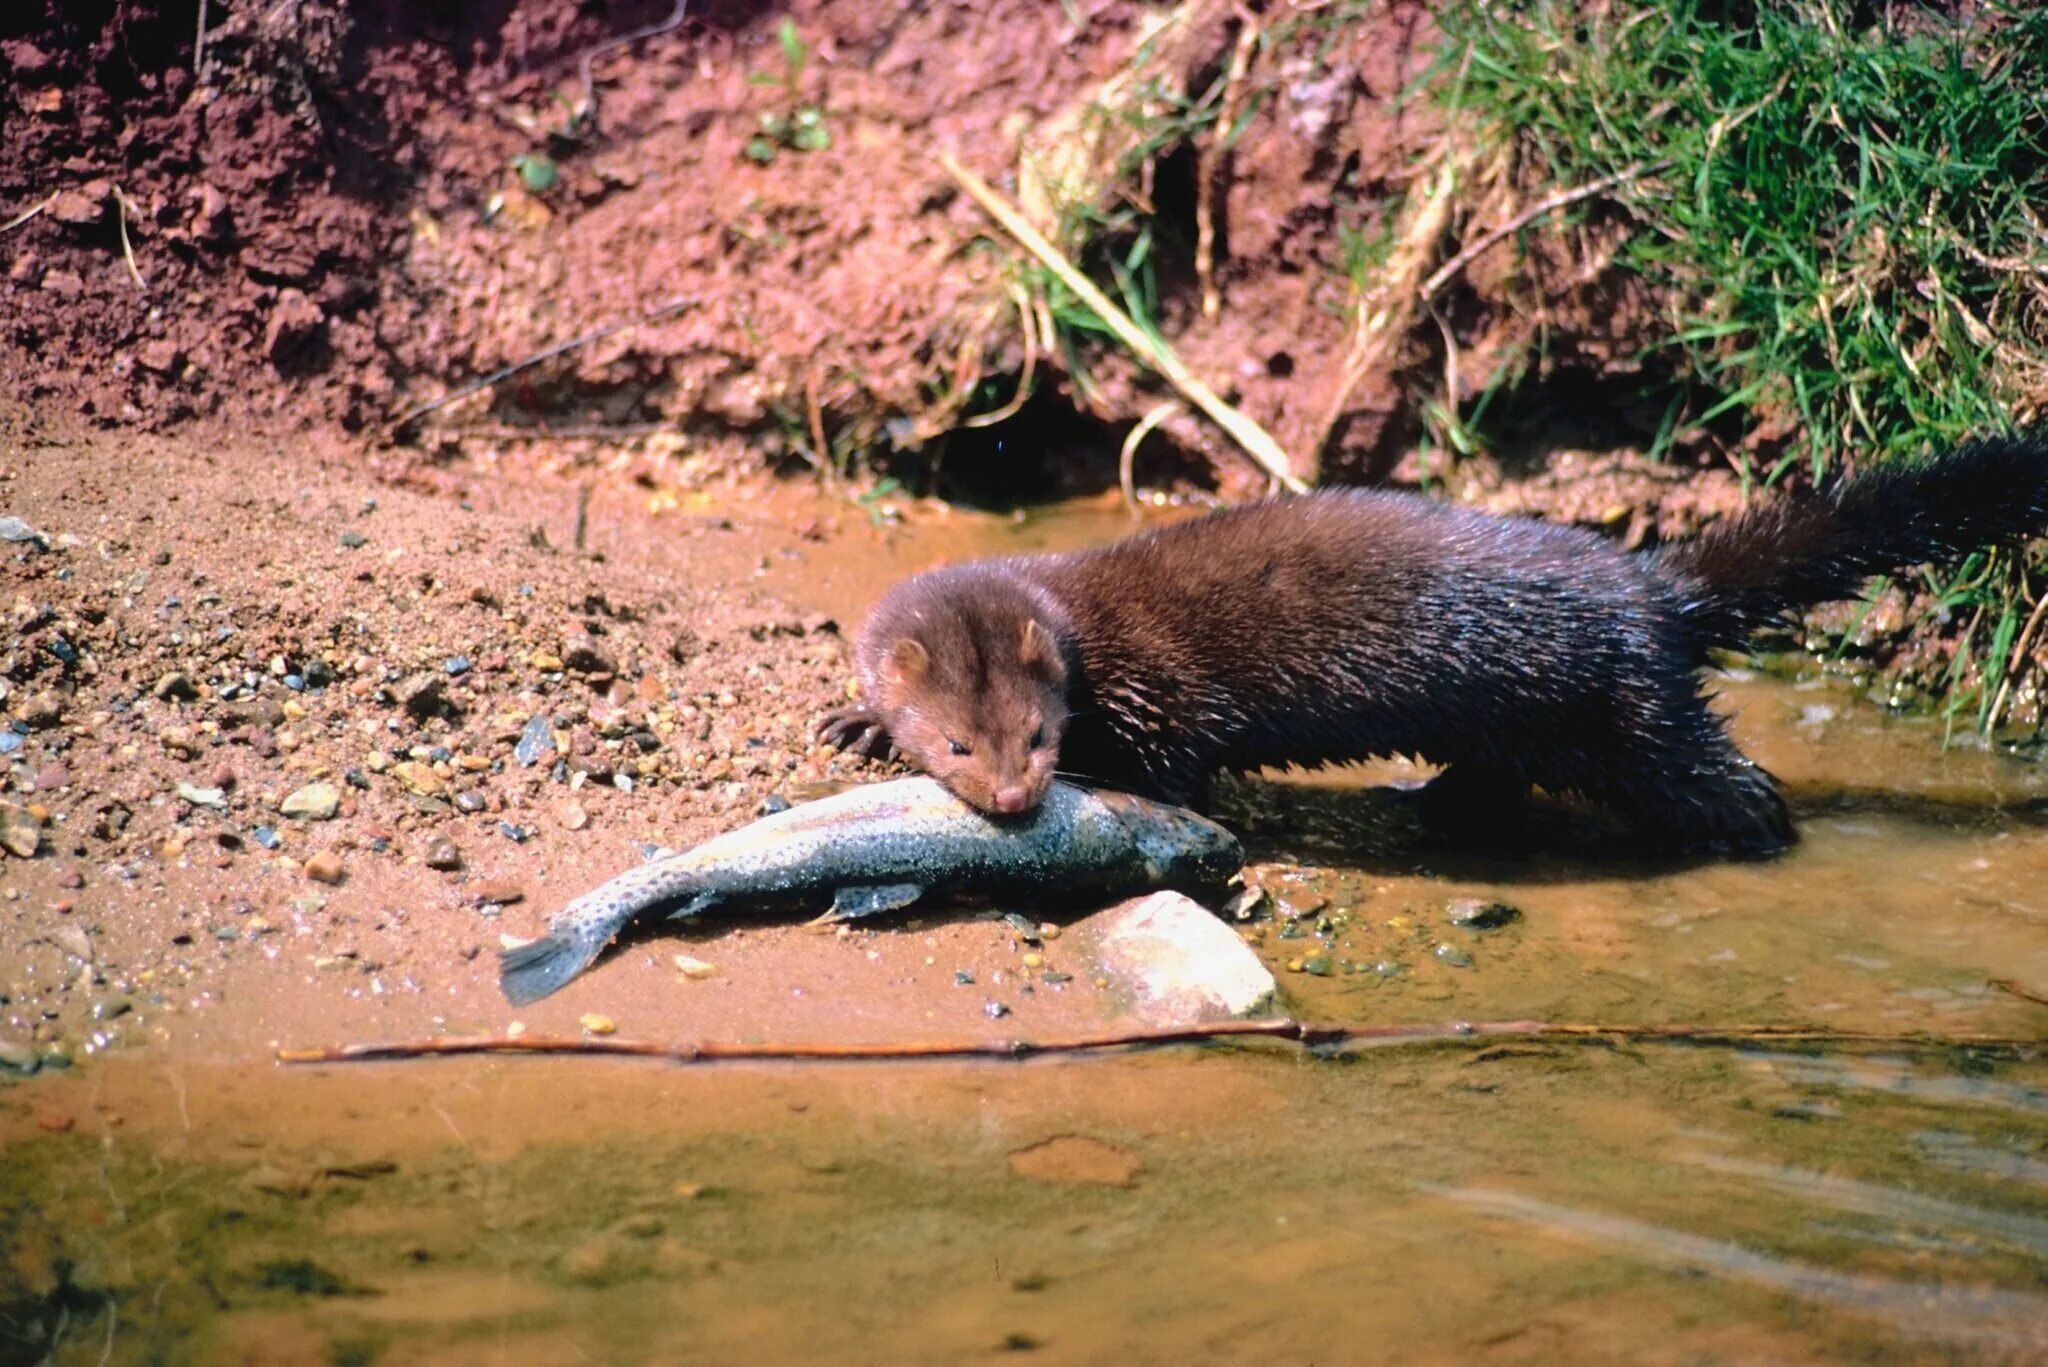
{"x": 905, "y": 663}
{"x": 1040, "y": 654}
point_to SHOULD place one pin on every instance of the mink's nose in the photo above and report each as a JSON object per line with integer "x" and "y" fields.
{"x": 1012, "y": 799}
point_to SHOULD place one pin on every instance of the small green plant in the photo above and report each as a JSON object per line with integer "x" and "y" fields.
{"x": 792, "y": 124}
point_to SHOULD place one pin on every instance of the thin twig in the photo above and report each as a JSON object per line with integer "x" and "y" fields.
{"x": 582, "y": 515}
{"x": 2020, "y": 990}
{"x": 1254, "y": 439}
{"x": 199, "y": 48}
{"x": 1210, "y": 161}
{"x": 1027, "y": 324}
{"x": 2019, "y": 655}
{"x": 588, "y": 112}
{"x": 30, "y": 212}
{"x": 1128, "y": 457}
{"x": 1315, "y": 1036}
{"x": 1445, "y": 273}
{"x": 814, "y": 416}
{"x": 122, "y": 206}
{"x": 655, "y": 314}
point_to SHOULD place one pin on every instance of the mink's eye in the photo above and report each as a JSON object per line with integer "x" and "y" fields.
{"x": 959, "y": 749}
{"x": 1038, "y": 739}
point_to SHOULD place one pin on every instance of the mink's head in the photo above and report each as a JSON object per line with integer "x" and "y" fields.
{"x": 972, "y": 681}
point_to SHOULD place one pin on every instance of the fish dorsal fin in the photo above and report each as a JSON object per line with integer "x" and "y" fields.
{"x": 850, "y": 903}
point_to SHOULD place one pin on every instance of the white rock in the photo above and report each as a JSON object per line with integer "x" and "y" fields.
{"x": 1179, "y": 964}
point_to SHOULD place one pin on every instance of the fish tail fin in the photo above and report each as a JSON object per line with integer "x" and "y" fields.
{"x": 539, "y": 968}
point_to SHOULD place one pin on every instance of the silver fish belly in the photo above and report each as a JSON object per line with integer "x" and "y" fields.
{"x": 881, "y": 847}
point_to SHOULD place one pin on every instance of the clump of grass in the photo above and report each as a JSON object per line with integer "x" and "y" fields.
{"x": 794, "y": 124}
{"x": 1848, "y": 217}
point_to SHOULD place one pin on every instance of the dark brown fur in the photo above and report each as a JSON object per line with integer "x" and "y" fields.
{"x": 1349, "y": 624}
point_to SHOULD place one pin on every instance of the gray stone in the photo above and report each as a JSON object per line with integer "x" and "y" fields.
{"x": 1179, "y": 964}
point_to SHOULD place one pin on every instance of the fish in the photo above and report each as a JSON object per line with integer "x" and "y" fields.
{"x": 881, "y": 847}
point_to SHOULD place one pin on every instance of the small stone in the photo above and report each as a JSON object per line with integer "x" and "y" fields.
{"x": 695, "y": 968}
{"x": 160, "y": 357}
{"x": 536, "y": 742}
{"x": 457, "y": 666}
{"x": 1318, "y": 964}
{"x": 353, "y": 541}
{"x": 419, "y": 778}
{"x": 594, "y": 1024}
{"x": 469, "y": 801}
{"x": 1452, "y": 955}
{"x": 20, "y": 833}
{"x": 314, "y": 802}
{"x": 10, "y": 741}
{"x": 71, "y": 879}
{"x": 442, "y": 854}
{"x": 546, "y": 662}
{"x": 42, "y": 710}
{"x": 111, "y": 1008}
{"x": 73, "y": 941}
{"x": 18, "y": 1056}
{"x": 324, "y": 867}
{"x": 212, "y": 798}
{"x": 52, "y": 777}
{"x": 574, "y": 817}
{"x": 426, "y": 697}
{"x": 580, "y": 654}
{"x": 176, "y": 686}
{"x": 1472, "y": 913}
{"x": 266, "y": 836}
{"x": 499, "y": 892}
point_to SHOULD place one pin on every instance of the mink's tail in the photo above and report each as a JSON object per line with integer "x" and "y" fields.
{"x": 1795, "y": 552}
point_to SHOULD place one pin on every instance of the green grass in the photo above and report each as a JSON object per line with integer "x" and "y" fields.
{"x": 1848, "y": 221}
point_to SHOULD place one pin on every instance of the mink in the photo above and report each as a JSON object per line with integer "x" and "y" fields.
{"x": 1343, "y": 625}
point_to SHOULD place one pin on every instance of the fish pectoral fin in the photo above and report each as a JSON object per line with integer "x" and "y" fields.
{"x": 702, "y": 902}
{"x": 850, "y": 903}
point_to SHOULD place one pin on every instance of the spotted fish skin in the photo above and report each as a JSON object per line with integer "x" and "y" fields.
{"x": 883, "y": 846}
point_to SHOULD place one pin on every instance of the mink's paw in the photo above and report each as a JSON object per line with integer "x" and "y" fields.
{"x": 857, "y": 730}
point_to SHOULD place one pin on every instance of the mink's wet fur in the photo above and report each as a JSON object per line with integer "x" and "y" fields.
{"x": 1343, "y": 625}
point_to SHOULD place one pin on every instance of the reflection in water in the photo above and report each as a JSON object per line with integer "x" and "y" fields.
{"x": 2012, "y": 1321}
{"x": 1900, "y": 1077}
{"x": 1883, "y": 1203}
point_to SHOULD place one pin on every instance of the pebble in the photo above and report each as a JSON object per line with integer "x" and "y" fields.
{"x": 71, "y": 878}
{"x": 457, "y": 666}
{"x": 43, "y": 710}
{"x": 111, "y": 1008}
{"x": 20, "y": 833}
{"x": 324, "y": 867}
{"x": 442, "y": 854}
{"x": 20, "y": 1057}
{"x": 1472, "y": 913}
{"x": 73, "y": 941}
{"x": 595, "y": 1024}
{"x": 695, "y": 968}
{"x": 354, "y": 541}
{"x": 203, "y": 797}
{"x": 10, "y": 740}
{"x": 536, "y": 741}
{"x": 469, "y": 801}
{"x": 497, "y": 892}
{"x": 574, "y": 817}
{"x": 175, "y": 686}
{"x": 52, "y": 777}
{"x": 582, "y": 655}
{"x": 1452, "y": 955}
{"x": 266, "y": 836}
{"x": 419, "y": 778}
{"x": 546, "y": 662}
{"x": 314, "y": 802}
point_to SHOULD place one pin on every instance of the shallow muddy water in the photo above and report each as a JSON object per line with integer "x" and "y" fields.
{"x": 1448, "y": 1202}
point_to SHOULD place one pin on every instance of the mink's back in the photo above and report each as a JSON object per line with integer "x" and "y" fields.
{"x": 1348, "y": 624}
